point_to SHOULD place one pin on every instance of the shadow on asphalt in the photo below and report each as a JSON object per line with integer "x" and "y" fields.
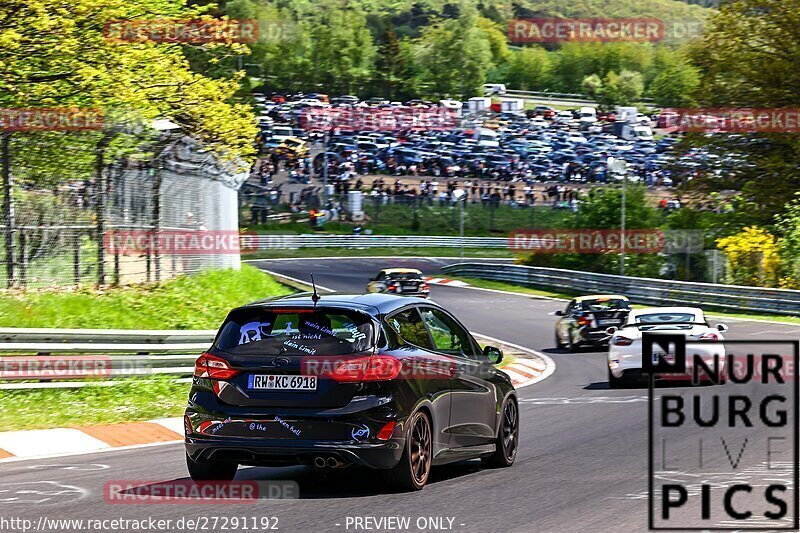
{"x": 349, "y": 482}
{"x": 643, "y": 386}
{"x": 578, "y": 351}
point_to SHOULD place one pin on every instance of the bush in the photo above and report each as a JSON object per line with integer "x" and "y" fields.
{"x": 752, "y": 257}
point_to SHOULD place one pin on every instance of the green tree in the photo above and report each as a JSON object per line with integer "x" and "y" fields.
{"x": 592, "y": 86}
{"x": 454, "y": 55}
{"x": 602, "y": 209}
{"x": 342, "y": 49}
{"x": 389, "y": 65}
{"x": 746, "y": 60}
{"x": 625, "y": 88}
{"x": 529, "y": 69}
{"x": 675, "y": 86}
{"x": 788, "y": 224}
{"x": 57, "y": 55}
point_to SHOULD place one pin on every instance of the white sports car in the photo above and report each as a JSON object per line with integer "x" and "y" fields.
{"x": 625, "y": 345}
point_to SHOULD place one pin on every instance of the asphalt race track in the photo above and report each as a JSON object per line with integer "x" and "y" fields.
{"x": 582, "y": 464}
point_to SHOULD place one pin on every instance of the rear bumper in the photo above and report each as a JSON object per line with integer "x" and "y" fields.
{"x": 595, "y": 336}
{"x": 276, "y": 437}
{"x": 629, "y": 365}
{"x": 273, "y": 452}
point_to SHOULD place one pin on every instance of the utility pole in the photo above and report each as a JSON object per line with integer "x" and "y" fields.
{"x": 325, "y": 169}
{"x": 622, "y": 224}
{"x": 460, "y": 196}
{"x": 157, "y": 215}
{"x": 101, "y": 188}
{"x": 620, "y": 166}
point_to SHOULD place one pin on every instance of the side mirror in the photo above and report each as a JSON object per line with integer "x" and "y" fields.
{"x": 722, "y": 327}
{"x": 610, "y": 331}
{"x": 493, "y": 354}
{"x": 559, "y": 313}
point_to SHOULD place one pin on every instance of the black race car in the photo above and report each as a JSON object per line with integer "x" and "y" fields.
{"x": 401, "y": 281}
{"x": 374, "y": 380}
{"x": 586, "y": 319}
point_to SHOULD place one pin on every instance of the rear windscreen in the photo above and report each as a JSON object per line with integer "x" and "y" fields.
{"x": 296, "y": 332}
{"x": 405, "y": 276}
{"x": 666, "y": 318}
{"x": 604, "y": 304}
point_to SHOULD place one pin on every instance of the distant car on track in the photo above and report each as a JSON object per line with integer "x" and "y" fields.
{"x": 586, "y": 319}
{"x": 625, "y": 347}
{"x": 373, "y": 380}
{"x": 400, "y": 281}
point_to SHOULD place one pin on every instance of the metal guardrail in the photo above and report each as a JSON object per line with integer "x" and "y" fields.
{"x": 554, "y": 97}
{"x": 254, "y": 242}
{"x": 640, "y": 290}
{"x": 146, "y": 353}
{"x": 108, "y": 354}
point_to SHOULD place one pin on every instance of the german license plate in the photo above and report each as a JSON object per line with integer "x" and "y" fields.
{"x": 281, "y": 382}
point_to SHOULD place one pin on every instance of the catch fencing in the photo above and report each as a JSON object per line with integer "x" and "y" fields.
{"x": 65, "y": 195}
{"x": 640, "y": 290}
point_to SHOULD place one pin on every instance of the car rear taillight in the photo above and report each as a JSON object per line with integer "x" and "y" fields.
{"x": 584, "y": 321}
{"x": 425, "y": 287}
{"x": 709, "y": 336}
{"x": 386, "y": 431}
{"x": 371, "y": 368}
{"x": 210, "y": 366}
{"x": 392, "y": 287}
{"x": 623, "y": 341}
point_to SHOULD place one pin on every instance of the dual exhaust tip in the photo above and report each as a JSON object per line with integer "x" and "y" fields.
{"x": 328, "y": 462}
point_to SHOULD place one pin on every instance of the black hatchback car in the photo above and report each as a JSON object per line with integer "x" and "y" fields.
{"x": 375, "y": 380}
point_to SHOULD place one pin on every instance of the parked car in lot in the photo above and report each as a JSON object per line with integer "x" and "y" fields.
{"x": 372, "y": 380}
{"x": 586, "y": 319}
{"x": 402, "y": 281}
{"x": 625, "y": 346}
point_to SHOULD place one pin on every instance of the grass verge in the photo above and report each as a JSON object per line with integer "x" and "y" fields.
{"x": 200, "y": 301}
{"x": 134, "y": 399}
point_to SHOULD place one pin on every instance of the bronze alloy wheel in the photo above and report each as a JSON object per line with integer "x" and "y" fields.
{"x": 421, "y": 449}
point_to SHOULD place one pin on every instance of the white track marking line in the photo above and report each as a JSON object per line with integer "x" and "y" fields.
{"x": 279, "y": 275}
{"x": 42, "y": 442}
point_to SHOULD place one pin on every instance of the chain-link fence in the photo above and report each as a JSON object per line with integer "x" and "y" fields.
{"x": 76, "y": 208}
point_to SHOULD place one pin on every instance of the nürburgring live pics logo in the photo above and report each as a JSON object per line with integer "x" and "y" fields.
{"x": 728, "y": 451}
